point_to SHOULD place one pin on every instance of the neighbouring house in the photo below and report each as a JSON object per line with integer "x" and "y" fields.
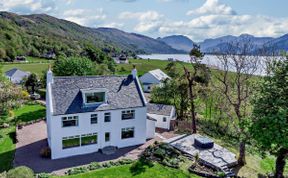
{"x": 163, "y": 114}
{"x": 121, "y": 59}
{"x": 153, "y": 78}
{"x": 16, "y": 76}
{"x": 88, "y": 113}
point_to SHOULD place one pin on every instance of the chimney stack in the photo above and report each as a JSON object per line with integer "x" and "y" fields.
{"x": 134, "y": 72}
{"x": 49, "y": 76}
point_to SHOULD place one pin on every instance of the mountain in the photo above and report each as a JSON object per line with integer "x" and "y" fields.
{"x": 221, "y": 44}
{"x": 178, "y": 42}
{"x": 38, "y": 34}
{"x": 278, "y": 44}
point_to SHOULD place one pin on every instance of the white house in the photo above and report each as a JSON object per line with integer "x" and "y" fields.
{"x": 153, "y": 78}
{"x": 16, "y": 76}
{"x": 163, "y": 114}
{"x": 86, "y": 114}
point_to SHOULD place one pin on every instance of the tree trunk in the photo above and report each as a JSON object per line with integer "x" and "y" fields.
{"x": 242, "y": 150}
{"x": 280, "y": 163}
{"x": 194, "y": 129}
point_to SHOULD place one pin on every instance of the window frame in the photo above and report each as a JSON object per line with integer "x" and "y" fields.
{"x": 70, "y": 138}
{"x": 93, "y": 116}
{"x": 128, "y": 112}
{"x": 127, "y": 129}
{"x": 88, "y": 91}
{"x": 70, "y": 118}
{"x": 106, "y": 115}
{"x": 108, "y": 137}
{"x": 164, "y": 119}
{"x": 89, "y": 135}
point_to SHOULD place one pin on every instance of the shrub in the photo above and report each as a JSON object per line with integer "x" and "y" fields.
{"x": 125, "y": 161}
{"x": 43, "y": 175}
{"x": 45, "y": 152}
{"x": 221, "y": 174}
{"x": 106, "y": 164}
{"x": 77, "y": 170}
{"x": 22, "y": 171}
{"x": 94, "y": 166}
{"x": 160, "y": 153}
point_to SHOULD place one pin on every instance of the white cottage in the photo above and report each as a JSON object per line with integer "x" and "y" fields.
{"x": 86, "y": 114}
{"x": 162, "y": 114}
{"x": 16, "y": 76}
{"x": 153, "y": 78}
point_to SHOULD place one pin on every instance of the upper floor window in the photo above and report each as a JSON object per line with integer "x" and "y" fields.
{"x": 94, "y": 118}
{"x": 98, "y": 97}
{"x": 107, "y": 117}
{"x": 70, "y": 121}
{"x": 91, "y": 96}
{"x": 129, "y": 114}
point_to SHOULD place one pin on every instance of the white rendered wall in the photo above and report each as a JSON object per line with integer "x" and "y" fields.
{"x": 84, "y": 127}
{"x": 150, "y": 129}
{"x": 159, "y": 122}
{"x": 149, "y": 78}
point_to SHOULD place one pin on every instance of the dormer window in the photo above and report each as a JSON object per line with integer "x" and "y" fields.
{"x": 94, "y": 96}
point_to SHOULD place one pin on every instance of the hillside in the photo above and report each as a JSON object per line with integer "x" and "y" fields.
{"x": 178, "y": 42}
{"x": 39, "y": 34}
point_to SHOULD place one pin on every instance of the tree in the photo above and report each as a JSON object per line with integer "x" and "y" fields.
{"x": 199, "y": 75}
{"x": 9, "y": 95}
{"x": 171, "y": 69}
{"x": 270, "y": 115}
{"x": 74, "y": 67}
{"x": 234, "y": 82}
{"x": 32, "y": 82}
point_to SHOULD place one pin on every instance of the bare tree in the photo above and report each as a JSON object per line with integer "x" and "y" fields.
{"x": 238, "y": 68}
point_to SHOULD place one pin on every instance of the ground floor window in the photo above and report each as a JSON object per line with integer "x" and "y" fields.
{"x": 107, "y": 136}
{"x": 127, "y": 133}
{"x": 89, "y": 139}
{"x": 164, "y": 119}
{"x": 70, "y": 142}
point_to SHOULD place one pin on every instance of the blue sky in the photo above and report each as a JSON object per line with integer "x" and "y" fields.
{"x": 197, "y": 19}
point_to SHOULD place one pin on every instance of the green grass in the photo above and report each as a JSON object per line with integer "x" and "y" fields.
{"x": 37, "y": 68}
{"x": 7, "y": 148}
{"x": 157, "y": 171}
{"x": 144, "y": 66}
{"x": 38, "y": 60}
{"x": 25, "y": 113}
{"x": 30, "y": 112}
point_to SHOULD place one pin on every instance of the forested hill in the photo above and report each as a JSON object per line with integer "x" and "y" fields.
{"x": 39, "y": 34}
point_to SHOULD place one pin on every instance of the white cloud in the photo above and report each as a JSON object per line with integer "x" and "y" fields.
{"x": 212, "y": 7}
{"x": 28, "y": 6}
{"x": 112, "y": 25}
{"x": 146, "y": 21}
{"x": 85, "y": 17}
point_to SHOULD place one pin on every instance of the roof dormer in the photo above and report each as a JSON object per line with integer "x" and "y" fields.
{"x": 94, "y": 96}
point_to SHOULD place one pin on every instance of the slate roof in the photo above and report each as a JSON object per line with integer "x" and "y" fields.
{"x": 122, "y": 92}
{"x": 159, "y": 109}
{"x": 16, "y": 73}
{"x": 159, "y": 74}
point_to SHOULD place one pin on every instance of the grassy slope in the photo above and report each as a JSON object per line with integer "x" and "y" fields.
{"x": 157, "y": 171}
{"x": 7, "y": 147}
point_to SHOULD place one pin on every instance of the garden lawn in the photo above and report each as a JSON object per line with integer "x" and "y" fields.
{"x": 7, "y": 148}
{"x": 30, "y": 112}
{"x": 157, "y": 171}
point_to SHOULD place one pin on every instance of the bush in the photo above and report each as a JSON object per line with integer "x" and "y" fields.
{"x": 125, "y": 161}
{"x": 43, "y": 175}
{"x": 22, "y": 171}
{"x": 160, "y": 153}
{"x": 77, "y": 170}
{"x": 94, "y": 166}
{"x": 107, "y": 164}
{"x": 45, "y": 152}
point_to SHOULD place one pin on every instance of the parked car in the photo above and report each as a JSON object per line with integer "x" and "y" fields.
{"x": 35, "y": 96}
